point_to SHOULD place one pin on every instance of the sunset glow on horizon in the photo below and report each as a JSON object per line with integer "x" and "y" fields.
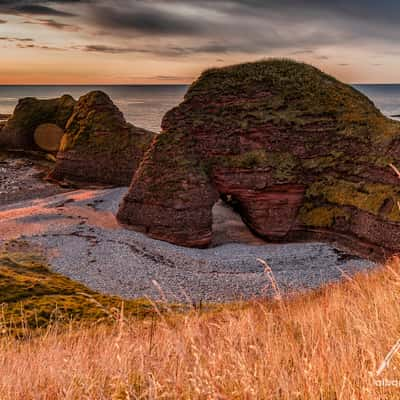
{"x": 171, "y": 42}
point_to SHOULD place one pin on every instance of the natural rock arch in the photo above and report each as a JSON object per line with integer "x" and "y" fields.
{"x": 19, "y": 130}
{"x": 304, "y": 156}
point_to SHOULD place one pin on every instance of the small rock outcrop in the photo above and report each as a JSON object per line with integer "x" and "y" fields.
{"x": 301, "y": 156}
{"x": 99, "y": 146}
{"x": 19, "y": 130}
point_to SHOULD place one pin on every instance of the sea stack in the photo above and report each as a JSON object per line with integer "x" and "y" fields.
{"x": 99, "y": 146}
{"x": 301, "y": 155}
{"x": 29, "y": 115}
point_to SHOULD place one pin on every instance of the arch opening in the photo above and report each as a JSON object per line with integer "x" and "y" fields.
{"x": 48, "y": 137}
{"x": 228, "y": 225}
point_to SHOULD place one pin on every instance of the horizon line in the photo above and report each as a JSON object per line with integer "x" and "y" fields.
{"x": 155, "y": 84}
{"x": 95, "y": 84}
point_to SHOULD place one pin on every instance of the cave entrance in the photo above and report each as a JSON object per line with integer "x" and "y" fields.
{"x": 48, "y": 137}
{"x": 229, "y": 227}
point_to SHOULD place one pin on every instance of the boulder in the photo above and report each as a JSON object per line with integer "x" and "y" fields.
{"x": 19, "y": 130}
{"x": 99, "y": 146}
{"x": 299, "y": 154}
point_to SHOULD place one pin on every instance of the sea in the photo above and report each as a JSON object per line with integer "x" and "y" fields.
{"x": 145, "y": 105}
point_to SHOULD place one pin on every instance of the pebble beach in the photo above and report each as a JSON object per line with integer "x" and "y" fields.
{"x": 77, "y": 232}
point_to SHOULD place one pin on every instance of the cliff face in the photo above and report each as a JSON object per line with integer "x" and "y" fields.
{"x": 301, "y": 155}
{"x": 99, "y": 146}
{"x": 19, "y": 130}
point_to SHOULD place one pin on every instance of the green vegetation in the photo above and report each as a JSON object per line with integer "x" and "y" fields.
{"x": 33, "y": 296}
{"x": 323, "y": 217}
{"x": 283, "y": 165}
{"x": 370, "y": 197}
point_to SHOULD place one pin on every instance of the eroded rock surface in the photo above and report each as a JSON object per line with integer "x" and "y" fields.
{"x": 18, "y": 131}
{"x": 99, "y": 146}
{"x": 299, "y": 154}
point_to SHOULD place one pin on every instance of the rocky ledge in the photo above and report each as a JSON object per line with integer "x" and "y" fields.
{"x": 299, "y": 155}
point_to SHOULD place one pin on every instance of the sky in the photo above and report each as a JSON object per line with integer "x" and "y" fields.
{"x": 172, "y": 41}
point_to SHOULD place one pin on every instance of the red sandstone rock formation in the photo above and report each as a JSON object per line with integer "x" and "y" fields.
{"x": 301, "y": 156}
{"x": 18, "y": 131}
{"x": 99, "y": 146}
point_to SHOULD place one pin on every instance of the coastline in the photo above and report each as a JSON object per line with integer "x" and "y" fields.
{"x": 77, "y": 232}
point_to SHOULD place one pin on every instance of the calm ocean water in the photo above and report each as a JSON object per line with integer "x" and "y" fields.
{"x": 145, "y": 105}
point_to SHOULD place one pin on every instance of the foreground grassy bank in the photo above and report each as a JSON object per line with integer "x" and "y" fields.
{"x": 322, "y": 345}
{"x": 32, "y": 297}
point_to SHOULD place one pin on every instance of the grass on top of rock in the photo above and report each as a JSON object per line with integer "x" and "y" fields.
{"x": 32, "y": 296}
{"x": 296, "y": 92}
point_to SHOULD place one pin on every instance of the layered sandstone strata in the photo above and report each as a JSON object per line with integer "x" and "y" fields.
{"x": 19, "y": 130}
{"x": 99, "y": 146}
{"x": 299, "y": 154}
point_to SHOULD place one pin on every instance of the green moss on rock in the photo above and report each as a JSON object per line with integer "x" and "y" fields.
{"x": 323, "y": 217}
{"x": 283, "y": 165}
{"x": 370, "y": 197}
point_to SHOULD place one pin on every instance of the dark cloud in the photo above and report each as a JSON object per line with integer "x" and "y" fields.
{"x": 39, "y": 7}
{"x": 2, "y": 21}
{"x": 168, "y": 51}
{"x": 174, "y": 17}
{"x": 146, "y": 19}
{"x": 235, "y": 26}
{"x": 99, "y": 48}
{"x": 219, "y": 27}
{"x": 35, "y": 9}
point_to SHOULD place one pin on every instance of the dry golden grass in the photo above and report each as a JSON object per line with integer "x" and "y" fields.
{"x": 321, "y": 345}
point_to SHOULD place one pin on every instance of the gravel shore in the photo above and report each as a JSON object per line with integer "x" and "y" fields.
{"x": 79, "y": 234}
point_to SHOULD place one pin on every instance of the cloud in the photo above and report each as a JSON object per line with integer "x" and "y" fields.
{"x": 15, "y": 39}
{"x": 172, "y": 78}
{"x": 51, "y": 23}
{"x": 2, "y": 21}
{"x": 179, "y": 28}
{"x": 147, "y": 19}
{"x": 39, "y": 7}
{"x": 34, "y": 9}
{"x": 28, "y": 43}
{"x": 100, "y": 48}
{"x": 166, "y": 51}
{"x": 40, "y": 47}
